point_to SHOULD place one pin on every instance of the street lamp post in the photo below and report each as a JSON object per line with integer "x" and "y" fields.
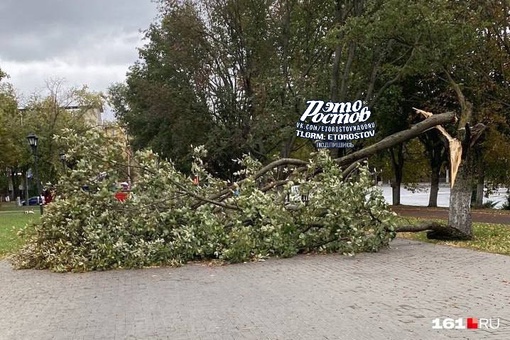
{"x": 32, "y": 140}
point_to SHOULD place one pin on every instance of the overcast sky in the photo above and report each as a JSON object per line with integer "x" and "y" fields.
{"x": 84, "y": 42}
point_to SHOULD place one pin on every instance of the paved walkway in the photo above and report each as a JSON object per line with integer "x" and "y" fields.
{"x": 394, "y": 294}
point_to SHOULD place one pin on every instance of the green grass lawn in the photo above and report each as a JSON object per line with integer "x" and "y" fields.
{"x": 12, "y": 219}
{"x": 12, "y": 206}
{"x": 491, "y": 238}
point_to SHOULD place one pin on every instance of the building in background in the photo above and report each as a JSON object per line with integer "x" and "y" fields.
{"x": 92, "y": 116}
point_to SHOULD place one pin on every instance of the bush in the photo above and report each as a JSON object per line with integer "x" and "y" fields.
{"x": 168, "y": 220}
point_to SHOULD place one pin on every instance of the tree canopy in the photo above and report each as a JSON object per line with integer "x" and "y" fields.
{"x": 45, "y": 116}
{"x": 234, "y": 75}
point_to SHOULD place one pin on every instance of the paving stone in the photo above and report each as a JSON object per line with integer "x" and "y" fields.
{"x": 393, "y": 294}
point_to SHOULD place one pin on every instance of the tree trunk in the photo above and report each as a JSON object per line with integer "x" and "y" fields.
{"x": 15, "y": 184}
{"x": 480, "y": 182}
{"x": 479, "y": 192}
{"x": 10, "y": 184}
{"x": 395, "y": 192}
{"x": 434, "y": 142}
{"x": 397, "y": 162}
{"x": 459, "y": 216}
{"x": 434, "y": 185}
{"x": 25, "y": 184}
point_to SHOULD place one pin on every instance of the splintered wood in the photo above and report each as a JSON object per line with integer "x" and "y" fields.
{"x": 454, "y": 145}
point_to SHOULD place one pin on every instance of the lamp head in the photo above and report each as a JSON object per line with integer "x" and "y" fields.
{"x": 32, "y": 140}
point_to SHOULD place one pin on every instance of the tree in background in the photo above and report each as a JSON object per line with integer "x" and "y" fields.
{"x": 13, "y": 156}
{"x": 249, "y": 66}
{"x": 489, "y": 80}
{"x": 45, "y": 116}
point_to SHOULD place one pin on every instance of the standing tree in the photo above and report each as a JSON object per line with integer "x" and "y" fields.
{"x": 231, "y": 75}
{"x": 14, "y": 157}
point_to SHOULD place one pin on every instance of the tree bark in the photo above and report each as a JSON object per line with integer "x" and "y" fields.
{"x": 459, "y": 216}
{"x": 397, "y": 162}
{"x": 424, "y": 226}
{"x": 460, "y": 222}
{"x": 433, "y": 229}
{"x": 480, "y": 182}
{"x": 479, "y": 192}
{"x": 15, "y": 184}
{"x": 434, "y": 185}
{"x": 395, "y": 192}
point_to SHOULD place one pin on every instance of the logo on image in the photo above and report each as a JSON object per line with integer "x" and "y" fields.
{"x": 465, "y": 323}
{"x": 335, "y": 125}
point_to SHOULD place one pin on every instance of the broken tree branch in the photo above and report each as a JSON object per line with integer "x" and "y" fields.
{"x": 435, "y": 231}
{"x": 455, "y": 148}
{"x": 349, "y": 160}
{"x": 424, "y": 226}
{"x": 398, "y": 138}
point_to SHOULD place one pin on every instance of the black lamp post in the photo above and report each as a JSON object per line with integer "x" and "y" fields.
{"x": 32, "y": 140}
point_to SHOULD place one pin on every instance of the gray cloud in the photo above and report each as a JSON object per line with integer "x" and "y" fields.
{"x": 89, "y": 42}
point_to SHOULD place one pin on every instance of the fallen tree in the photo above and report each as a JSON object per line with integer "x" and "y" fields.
{"x": 320, "y": 205}
{"x": 170, "y": 219}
